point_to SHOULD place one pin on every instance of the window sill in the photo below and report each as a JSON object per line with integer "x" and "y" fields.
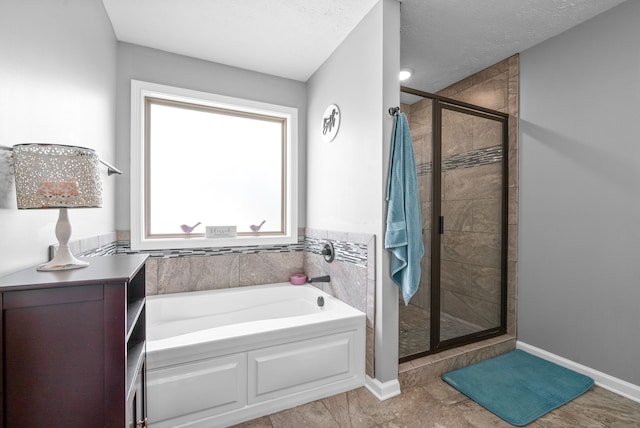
{"x": 190, "y": 243}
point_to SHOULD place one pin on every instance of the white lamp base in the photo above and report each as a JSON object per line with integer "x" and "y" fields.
{"x": 63, "y": 259}
{"x": 62, "y": 262}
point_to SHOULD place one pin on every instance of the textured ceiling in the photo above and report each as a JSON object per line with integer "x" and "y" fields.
{"x": 442, "y": 40}
{"x": 287, "y": 38}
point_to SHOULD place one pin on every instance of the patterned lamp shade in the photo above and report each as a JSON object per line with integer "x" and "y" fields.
{"x": 56, "y": 176}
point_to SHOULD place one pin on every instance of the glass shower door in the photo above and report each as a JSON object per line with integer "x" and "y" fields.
{"x": 461, "y": 165}
{"x": 472, "y": 232}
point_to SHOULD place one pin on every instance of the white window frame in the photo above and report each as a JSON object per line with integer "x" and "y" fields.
{"x": 139, "y": 240}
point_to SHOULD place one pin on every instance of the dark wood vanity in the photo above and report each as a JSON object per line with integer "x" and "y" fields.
{"x": 73, "y": 346}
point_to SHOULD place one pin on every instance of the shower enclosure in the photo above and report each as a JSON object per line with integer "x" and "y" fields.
{"x": 461, "y": 160}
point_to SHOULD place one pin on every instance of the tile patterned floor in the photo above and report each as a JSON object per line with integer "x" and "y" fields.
{"x": 439, "y": 405}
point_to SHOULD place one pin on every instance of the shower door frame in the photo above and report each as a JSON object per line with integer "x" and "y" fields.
{"x": 438, "y": 103}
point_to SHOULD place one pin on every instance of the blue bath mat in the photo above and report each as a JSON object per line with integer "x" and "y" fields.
{"x": 517, "y": 386}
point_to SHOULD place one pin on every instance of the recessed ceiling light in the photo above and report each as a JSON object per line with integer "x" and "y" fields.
{"x": 405, "y": 73}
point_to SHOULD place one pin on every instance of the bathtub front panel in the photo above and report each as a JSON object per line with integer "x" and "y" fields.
{"x": 193, "y": 391}
{"x": 292, "y": 367}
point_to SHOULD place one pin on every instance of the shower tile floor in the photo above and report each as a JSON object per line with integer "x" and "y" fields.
{"x": 437, "y": 404}
{"x": 414, "y": 329}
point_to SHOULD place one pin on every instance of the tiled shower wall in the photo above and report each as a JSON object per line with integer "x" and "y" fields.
{"x": 470, "y": 156}
{"x": 352, "y": 272}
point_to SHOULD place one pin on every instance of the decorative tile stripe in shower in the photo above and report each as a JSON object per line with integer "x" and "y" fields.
{"x": 424, "y": 168}
{"x": 470, "y": 159}
{"x": 473, "y": 158}
{"x": 345, "y": 251}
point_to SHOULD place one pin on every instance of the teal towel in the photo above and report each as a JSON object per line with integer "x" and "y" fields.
{"x": 403, "y": 237}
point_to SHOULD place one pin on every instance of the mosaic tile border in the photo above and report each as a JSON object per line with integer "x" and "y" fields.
{"x": 424, "y": 168}
{"x": 349, "y": 252}
{"x": 470, "y": 159}
{"x": 124, "y": 247}
{"x": 106, "y": 250}
{"x": 473, "y": 158}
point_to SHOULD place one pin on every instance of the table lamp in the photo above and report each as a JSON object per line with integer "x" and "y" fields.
{"x": 57, "y": 176}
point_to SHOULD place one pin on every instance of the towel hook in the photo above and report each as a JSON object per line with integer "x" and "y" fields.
{"x": 393, "y": 111}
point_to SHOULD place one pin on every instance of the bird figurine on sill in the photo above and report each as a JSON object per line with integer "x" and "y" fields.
{"x": 188, "y": 229}
{"x": 255, "y": 228}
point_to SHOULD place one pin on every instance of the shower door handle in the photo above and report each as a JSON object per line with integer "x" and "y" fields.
{"x": 441, "y": 225}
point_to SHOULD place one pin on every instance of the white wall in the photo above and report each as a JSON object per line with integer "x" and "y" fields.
{"x": 57, "y": 85}
{"x": 387, "y": 291}
{"x": 151, "y": 65}
{"x": 341, "y": 189}
{"x": 579, "y": 242}
{"x": 346, "y": 177}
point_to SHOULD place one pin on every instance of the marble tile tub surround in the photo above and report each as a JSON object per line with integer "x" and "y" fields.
{"x": 254, "y": 264}
{"x": 182, "y": 270}
{"x": 352, "y": 274}
{"x": 213, "y": 268}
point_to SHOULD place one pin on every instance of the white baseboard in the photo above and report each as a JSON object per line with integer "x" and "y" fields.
{"x": 613, "y": 384}
{"x": 382, "y": 391}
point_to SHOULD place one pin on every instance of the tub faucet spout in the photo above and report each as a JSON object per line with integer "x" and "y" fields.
{"x": 325, "y": 278}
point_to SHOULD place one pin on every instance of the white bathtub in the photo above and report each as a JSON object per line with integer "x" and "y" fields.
{"x": 216, "y": 358}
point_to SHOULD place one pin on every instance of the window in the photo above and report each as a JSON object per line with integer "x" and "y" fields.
{"x": 224, "y": 165}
